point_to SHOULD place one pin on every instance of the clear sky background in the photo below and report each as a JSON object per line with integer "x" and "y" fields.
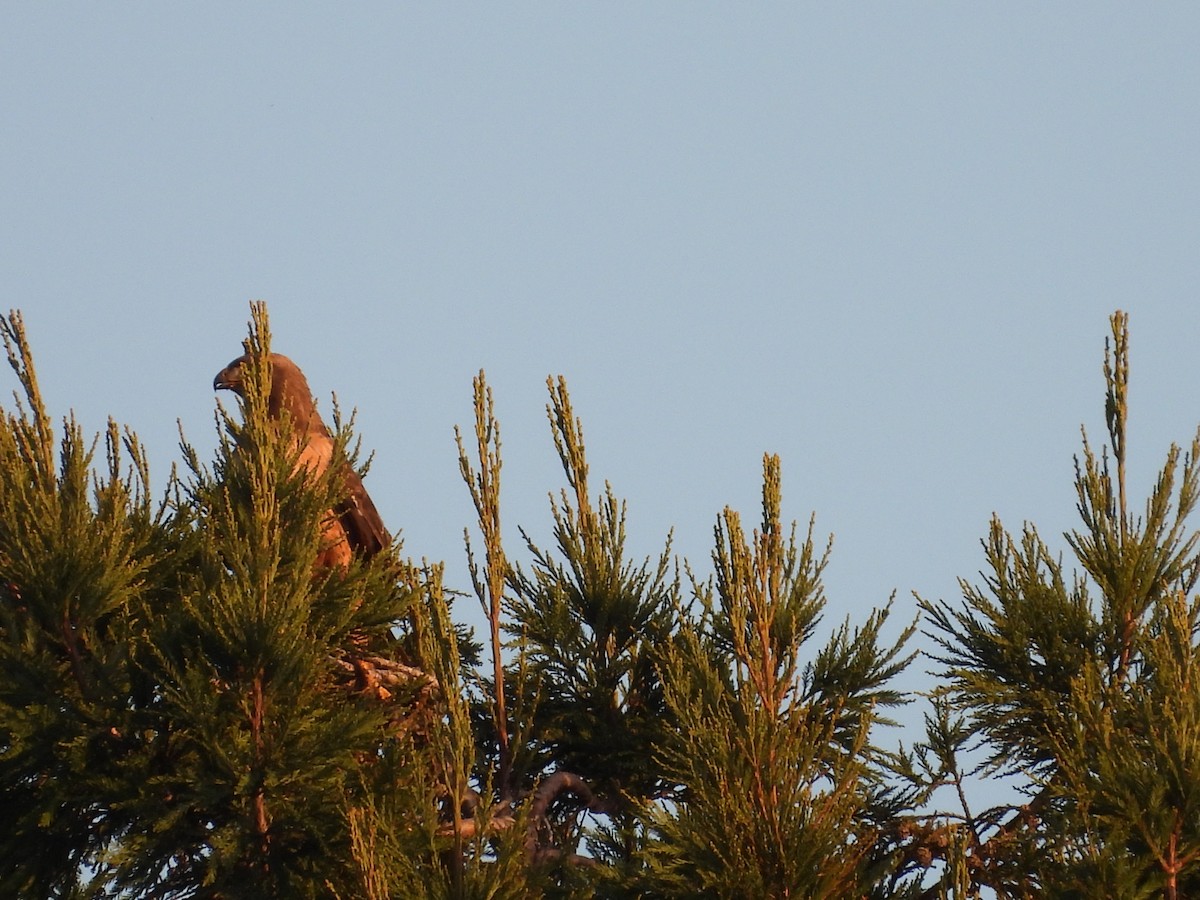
{"x": 880, "y": 240}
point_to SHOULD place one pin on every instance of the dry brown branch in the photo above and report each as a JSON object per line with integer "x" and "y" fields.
{"x": 471, "y": 828}
{"x": 929, "y": 842}
{"x": 547, "y": 792}
{"x": 384, "y": 678}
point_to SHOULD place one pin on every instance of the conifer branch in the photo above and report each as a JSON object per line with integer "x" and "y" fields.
{"x": 484, "y": 486}
{"x": 567, "y": 431}
{"x": 1116, "y": 407}
{"x": 538, "y": 837}
{"x": 37, "y": 437}
{"x": 548, "y": 791}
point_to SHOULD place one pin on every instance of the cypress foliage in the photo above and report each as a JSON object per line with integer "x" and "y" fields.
{"x": 588, "y": 625}
{"x": 84, "y": 553}
{"x": 178, "y": 717}
{"x": 774, "y": 757}
{"x": 261, "y": 732}
{"x": 589, "y": 621}
{"x": 189, "y": 707}
{"x": 1088, "y": 690}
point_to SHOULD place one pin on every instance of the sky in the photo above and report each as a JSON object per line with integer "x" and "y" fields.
{"x": 880, "y": 240}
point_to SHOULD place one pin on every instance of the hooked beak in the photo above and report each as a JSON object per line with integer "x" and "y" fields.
{"x": 228, "y": 379}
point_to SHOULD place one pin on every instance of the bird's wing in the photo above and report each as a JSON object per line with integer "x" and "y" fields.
{"x": 359, "y": 517}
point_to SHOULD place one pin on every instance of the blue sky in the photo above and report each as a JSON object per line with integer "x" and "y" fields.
{"x": 880, "y": 240}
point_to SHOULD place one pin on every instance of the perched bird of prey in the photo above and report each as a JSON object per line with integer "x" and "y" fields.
{"x": 353, "y": 525}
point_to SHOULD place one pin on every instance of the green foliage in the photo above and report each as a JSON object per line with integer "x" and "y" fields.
{"x": 174, "y": 717}
{"x": 1013, "y": 651}
{"x": 1090, "y": 691}
{"x": 83, "y": 554}
{"x": 255, "y": 756}
{"x": 590, "y": 622}
{"x": 773, "y": 758}
{"x": 189, "y": 706}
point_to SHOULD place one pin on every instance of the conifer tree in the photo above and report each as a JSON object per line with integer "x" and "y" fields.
{"x": 85, "y": 555}
{"x": 584, "y": 623}
{"x": 589, "y": 620}
{"x": 1085, "y": 685}
{"x": 716, "y": 758}
{"x": 190, "y": 707}
{"x": 187, "y": 706}
{"x": 262, "y": 730}
{"x": 782, "y": 791}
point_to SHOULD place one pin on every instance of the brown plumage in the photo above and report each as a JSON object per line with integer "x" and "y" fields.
{"x": 353, "y": 525}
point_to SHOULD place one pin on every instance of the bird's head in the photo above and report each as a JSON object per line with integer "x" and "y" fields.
{"x": 231, "y": 378}
{"x": 289, "y": 390}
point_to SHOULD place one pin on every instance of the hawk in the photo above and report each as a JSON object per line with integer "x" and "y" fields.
{"x": 353, "y": 525}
